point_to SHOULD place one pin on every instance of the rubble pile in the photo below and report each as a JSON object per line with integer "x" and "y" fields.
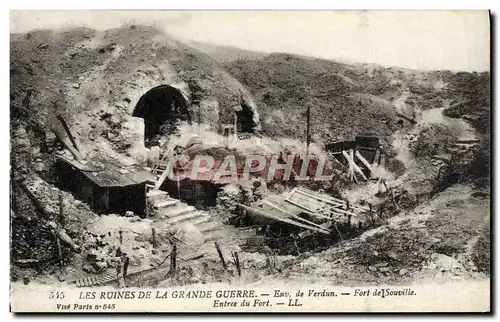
{"x": 112, "y": 236}
{"x": 245, "y": 193}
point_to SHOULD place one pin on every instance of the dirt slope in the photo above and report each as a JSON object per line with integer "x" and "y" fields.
{"x": 440, "y": 240}
{"x": 90, "y": 75}
{"x": 348, "y": 99}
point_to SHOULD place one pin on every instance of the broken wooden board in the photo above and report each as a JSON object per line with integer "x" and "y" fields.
{"x": 282, "y": 219}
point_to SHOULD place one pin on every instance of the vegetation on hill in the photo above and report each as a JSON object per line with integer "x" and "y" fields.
{"x": 285, "y": 85}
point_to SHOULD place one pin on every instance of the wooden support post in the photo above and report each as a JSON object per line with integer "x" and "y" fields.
{"x": 351, "y": 169}
{"x": 295, "y": 243}
{"x": 235, "y": 135}
{"x": 364, "y": 161}
{"x": 349, "y": 216}
{"x": 153, "y": 233}
{"x": 376, "y": 158}
{"x": 119, "y": 274}
{"x": 61, "y": 211}
{"x": 59, "y": 250}
{"x": 352, "y": 165}
{"x": 381, "y": 210}
{"x": 173, "y": 260}
{"x": 126, "y": 262}
{"x": 308, "y": 128}
{"x": 338, "y": 231}
{"x": 118, "y": 270}
{"x": 224, "y": 265}
{"x": 237, "y": 262}
{"x": 121, "y": 236}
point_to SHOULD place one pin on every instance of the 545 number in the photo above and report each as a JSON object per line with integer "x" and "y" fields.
{"x": 56, "y": 295}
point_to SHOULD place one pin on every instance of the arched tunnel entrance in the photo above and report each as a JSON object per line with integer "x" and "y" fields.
{"x": 161, "y": 107}
{"x": 245, "y": 121}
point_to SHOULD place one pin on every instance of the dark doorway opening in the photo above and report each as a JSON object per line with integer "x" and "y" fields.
{"x": 201, "y": 194}
{"x": 161, "y": 108}
{"x": 245, "y": 120}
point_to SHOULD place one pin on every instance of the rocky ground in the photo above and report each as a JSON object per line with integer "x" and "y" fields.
{"x": 430, "y": 232}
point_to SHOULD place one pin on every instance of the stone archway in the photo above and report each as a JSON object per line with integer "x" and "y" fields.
{"x": 161, "y": 107}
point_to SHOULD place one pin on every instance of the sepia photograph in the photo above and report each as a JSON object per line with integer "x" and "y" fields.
{"x": 250, "y": 161}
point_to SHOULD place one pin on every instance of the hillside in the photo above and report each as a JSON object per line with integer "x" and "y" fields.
{"x": 226, "y": 54}
{"x": 135, "y": 98}
{"x": 89, "y": 76}
{"x": 346, "y": 98}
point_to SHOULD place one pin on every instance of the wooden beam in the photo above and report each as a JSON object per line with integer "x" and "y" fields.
{"x": 336, "y": 160}
{"x": 221, "y": 256}
{"x": 382, "y": 160}
{"x": 285, "y": 220}
{"x": 351, "y": 170}
{"x": 68, "y": 132}
{"x": 363, "y": 160}
{"x": 270, "y": 204}
{"x": 76, "y": 154}
{"x": 343, "y": 212}
{"x": 308, "y": 126}
{"x": 308, "y": 211}
{"x": 376, "y": 159}
{"x": 352, "y": 164}
{"x": 330, "y": 200}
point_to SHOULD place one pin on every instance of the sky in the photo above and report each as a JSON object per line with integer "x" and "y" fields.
{"x": 428, "y": 40}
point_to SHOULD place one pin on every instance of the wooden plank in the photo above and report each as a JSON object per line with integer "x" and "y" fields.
{"x": 285, "y": 220}
{"x": 332, "y": 154}
{"x": 270, "y": 204}
{"x": 343, "y": 212}
{"x": 330, "y": 199}
{"x": 355, "y": 167}
{"x": 308, "y": 211}
{"x": 312, "y": 204}
{"x": 382, "y": 160}
{"x": 363, "y": 160}
{"x": 352, "y": 164}
{"x": 376, "y": 159}
{"x": 351, "y": 170}
{"x": 68, "y": 132}
{"x": 323, "y": 200}
{"x": 77, "y": 155}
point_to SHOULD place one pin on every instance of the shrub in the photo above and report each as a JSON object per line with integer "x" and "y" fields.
{"x": 433, "y": 140}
